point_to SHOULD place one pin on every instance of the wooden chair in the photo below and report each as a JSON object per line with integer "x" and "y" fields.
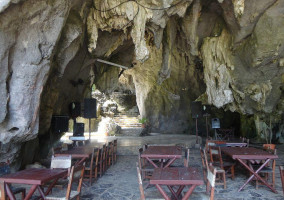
{"x": 212, "y": 143}
{"x": 56, "y": 150}
{"x": 145, "y": 167}
{"x": 217, "y": 161}
{"x": 3, "y": 195}
{"x": 91, "y": 168}
{"x": 269, "y": 147}
{"x": 269, "y": 169}
{"x": 211, "y": 178}
{"x": 70, "y": 194}
{"x": 60, "y": 162}
{"x": 114, "y": 150}
{"x": 204, "y": 162}
{"x": 106, "y": 157}
{"x": 63, "y": 162}
{"x": 97, "y": 162}
{"x": 141, "y": 188}
{"x": 233, "y": 144}
{"x": 185, "y": 159}
{"x": 219, "y": 171}
{"x": 226, "y": 134}
{"x": 245, "y": 140}
{"x": 101, "y": 161}
{"x": 5, "y": 169}
{"x": 281, "y": 169}
{"x": 110, "y": 154}
{"x": 145, "y": 146}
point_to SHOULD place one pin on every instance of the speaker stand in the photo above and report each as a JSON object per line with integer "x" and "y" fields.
{"x": 90, "y": 129}
{"x": 74, "y": 122}
{"x": 206, "y": 118}
{"x": 217, "y": 136}
{"x": 197, "y": 145}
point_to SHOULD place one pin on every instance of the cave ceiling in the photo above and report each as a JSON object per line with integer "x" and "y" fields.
{"x": 225, "y": 53}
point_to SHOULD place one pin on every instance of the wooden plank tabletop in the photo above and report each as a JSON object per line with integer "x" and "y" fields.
{"x": 177, "y": 176}
{"x": 162, "y": 152}
{"x": 33, "y": 176}
{"x": 78, "y": 152}
{"x": 247, "y": 153}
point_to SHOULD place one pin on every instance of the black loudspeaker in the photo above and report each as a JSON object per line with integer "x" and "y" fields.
{"x": 78, "y": 129}
{"x": 75, "y": 109}
{"x": 90, "y": 108}
{"x": 59, "y": 123}
{"x": 196, "y": 109}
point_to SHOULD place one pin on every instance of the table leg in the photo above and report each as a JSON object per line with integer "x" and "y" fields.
{"x": 151, "y": 161}
{"x": 172, "y": 191}
{"x": 180, "y": 189}
{"x": 80, "y": 162}
{"x": 31, "y": 191}
{"x": 255, "y": 173}
{"x": 41, "y": 192}
{"x": 51, "y": 186}
{"x": 162, "y": 192}
{"x": 188, "y": 193}
{"x": 170, "y": 162}
{"x": 9, "y": 192}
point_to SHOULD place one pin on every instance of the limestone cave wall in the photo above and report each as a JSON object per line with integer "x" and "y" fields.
{"x": 225, "y": 53}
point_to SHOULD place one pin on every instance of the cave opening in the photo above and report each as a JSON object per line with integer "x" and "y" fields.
{"x": 144, "y": 62}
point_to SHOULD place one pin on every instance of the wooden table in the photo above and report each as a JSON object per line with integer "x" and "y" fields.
{"x": 34, "y": 177}
{"x": 248, "y": 156}
{"x": 82, "y": 153}
{"x": 171, "y": 153}
{"x": 176, "y": 176}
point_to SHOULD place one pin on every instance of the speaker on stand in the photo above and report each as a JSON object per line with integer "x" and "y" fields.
{"x": 90, "y": 111}
{"x": 196, "y": 111}
{"x": 206, "y": 109}
{"x": 215, "y": 125}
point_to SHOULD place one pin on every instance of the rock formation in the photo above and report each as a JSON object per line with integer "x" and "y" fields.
{"x": 226, "y": 53}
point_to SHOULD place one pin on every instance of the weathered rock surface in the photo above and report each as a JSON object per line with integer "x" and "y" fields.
{"x": 227, "y": 53}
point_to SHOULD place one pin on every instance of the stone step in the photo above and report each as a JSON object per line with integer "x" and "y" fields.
{"x": 129, "y": 145}
{"x": 125, "y": 117}
{"x": 125, "y": 126}
{"x": 127, "y": 120}
{"x": 127, "y": 114}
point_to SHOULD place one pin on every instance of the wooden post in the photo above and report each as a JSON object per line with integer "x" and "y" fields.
{"x": 206, "y": 126}
{"x": 90, "y": 129}
{"x": 196, "y": 130}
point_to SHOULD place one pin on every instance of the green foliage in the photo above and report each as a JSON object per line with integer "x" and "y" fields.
{"x": 143, "y": 120}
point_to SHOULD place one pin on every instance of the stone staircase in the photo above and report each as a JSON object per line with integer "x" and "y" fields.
{"x": 129, "y": 123}
{"x": 126, "y": 120}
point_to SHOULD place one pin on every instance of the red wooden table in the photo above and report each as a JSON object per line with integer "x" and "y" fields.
{"x": 176, "y": 176}
{"x": 82, "y": 153}
{"x": 171, "y": 153}
{"x": 252, "y": 156}
{"x": 34, "y": 177}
